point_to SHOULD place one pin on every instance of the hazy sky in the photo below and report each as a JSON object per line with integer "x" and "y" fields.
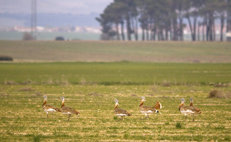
{"x": 55, "y": 6}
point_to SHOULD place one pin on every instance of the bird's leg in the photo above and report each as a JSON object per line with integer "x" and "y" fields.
{"x": 142, "y": 117}
{"x": 193, "y": 118}
{"x": 146, "y": 116}
{"x": 47, "y": 114}
{"x": 185, "y": 116}
{"x": 69, "y": 115}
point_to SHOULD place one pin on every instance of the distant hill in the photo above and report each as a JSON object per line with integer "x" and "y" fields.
{"x": 48, "y": 19}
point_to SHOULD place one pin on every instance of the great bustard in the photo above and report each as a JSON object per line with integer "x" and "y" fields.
{"x": 120, "y": 112}
{"x": 146, "y": 110}
{"x": 67, "y": 110}
{"x": 188, "y": 110}
{"x": 48, "y": 108}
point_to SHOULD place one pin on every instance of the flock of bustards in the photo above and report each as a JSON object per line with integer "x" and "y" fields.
{"x": 146, "y": 110}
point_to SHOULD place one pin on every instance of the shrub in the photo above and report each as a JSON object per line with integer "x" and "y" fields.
{"x": 126, "y": 136}
{"x": 8, "y": 82}
{"x": 216, "y": 94}
{"x": 178, "y": 125}
{"x": 108, "y": 36}
{"x": 37, "y": 138}
{"x": 166, "y": 83}
{"x": 219, "y": 94}
{"x": 6, "y": 58}
{"x": 59, "y": 38}
{"x": 28, "y": 36}
{"x": 26, "y": 89}
{"x": 221, "y": 85}
{"x": 115, "y": 118}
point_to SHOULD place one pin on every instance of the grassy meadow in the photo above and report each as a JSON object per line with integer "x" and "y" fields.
{"x": 112, "y": 51}
{"x": 126, "y": 73}
{"x": 98, "y": 72}
{"x": 92, "y": 87}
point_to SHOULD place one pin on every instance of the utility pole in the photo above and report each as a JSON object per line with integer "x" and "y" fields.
{"x": 33, "y": 18}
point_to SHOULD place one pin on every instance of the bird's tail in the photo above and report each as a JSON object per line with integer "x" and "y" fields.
{"x": 198, "y": 110}
{"x": 129, "y": 114}
{"x": 77, "y": 113}
{"x": 57, "y": 109}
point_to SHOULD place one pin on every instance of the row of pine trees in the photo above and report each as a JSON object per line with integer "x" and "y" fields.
{"x": 165, "y": 19}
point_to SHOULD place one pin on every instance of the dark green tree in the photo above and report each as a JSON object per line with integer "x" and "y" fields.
{"x": 165, "y": 19}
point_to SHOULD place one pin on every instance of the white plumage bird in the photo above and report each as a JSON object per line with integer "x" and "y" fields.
{"x": 146, "y": 110}
{"x": 68, "y": 110}
{"x": 120, "y": 112}
{"x": 48, "y": 108}
{"x": 188, "y": 110}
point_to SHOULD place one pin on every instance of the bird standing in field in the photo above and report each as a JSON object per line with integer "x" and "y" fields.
{"x": 120, "y": 112}
{"x": 68, "y": 110}
{"x": 48, "y": 108}
{"x": 188, "y": 110}
{"x": 146, "y": 110}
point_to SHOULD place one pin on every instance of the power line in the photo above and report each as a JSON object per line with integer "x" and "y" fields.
{"x": 33, "y": 18}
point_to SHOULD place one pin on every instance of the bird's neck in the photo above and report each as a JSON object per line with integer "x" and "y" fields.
{"x": 44, "y": 102}
{"x": 191, "y": 104}
{"x": 181, "y": 105}
{"x": 116, "y": 106}
{"x": 62, "y": 104}
{"x": 141, "y": 104}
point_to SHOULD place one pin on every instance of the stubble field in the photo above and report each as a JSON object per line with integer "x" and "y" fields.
{"x": 91, "y": 74}
{"x": 91, "y": 89}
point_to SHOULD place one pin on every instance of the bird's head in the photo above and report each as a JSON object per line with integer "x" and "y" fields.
{"x": 182, "y": 103}
{"x": 143, "y": 99}
{"x": 191, "y": 100}
{"x": 45, "y": 98}
{"x": 62, "y": 99}
{"x": 116, "y": 103}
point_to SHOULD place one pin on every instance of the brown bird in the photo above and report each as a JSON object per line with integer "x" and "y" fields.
{"x": 48, "y": 108}
{"x": 120, "y": 112}
{"x": 188, "y": 110}
{"x": 146, "y": 110}
{"x": 68, "y": 110}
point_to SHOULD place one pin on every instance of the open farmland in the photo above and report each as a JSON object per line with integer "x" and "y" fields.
{"x": 108, "y": 51}
{"x": 184, "y": 70}
{"x": 124, "y": 73}
{"x": 92, "y": 87}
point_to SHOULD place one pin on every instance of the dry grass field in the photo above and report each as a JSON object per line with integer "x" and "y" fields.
{"x": 22, "y": 117}
{"x": 91, "y": 87}
{"x": 108, "y": 51}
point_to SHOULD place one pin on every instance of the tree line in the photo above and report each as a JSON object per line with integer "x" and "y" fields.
{"x": 165, "y": 19}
